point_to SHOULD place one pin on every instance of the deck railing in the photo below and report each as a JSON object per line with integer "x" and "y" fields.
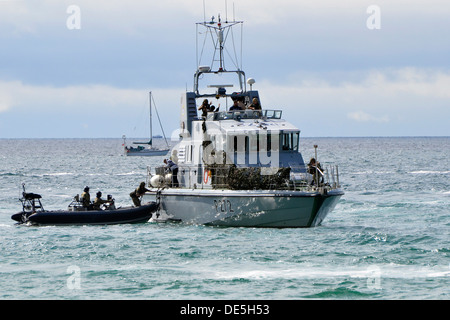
{"x": 249, "y": 178}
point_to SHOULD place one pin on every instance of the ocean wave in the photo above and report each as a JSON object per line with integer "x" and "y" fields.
{"x": 382, "y": 271}
{"x": 11, "y": 174}
{"x": 41, "y": 175}
{"x": 372, "y": 172}
{"x": 430, "y": 172}
{"x": 128, "y": 173}
{"x": 2, "y": 225}
{"x": 339, "y": 292}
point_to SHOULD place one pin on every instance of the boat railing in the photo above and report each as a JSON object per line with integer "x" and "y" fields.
{"x": 31, "y": 202}
{"x": 295, "y": 178}
{"x": 242, "y": 114}
{"x": 313, "y": 177}
{"x": 76, "y": 204}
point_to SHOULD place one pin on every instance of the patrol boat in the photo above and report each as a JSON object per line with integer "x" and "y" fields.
{"x": 239, "y": 167}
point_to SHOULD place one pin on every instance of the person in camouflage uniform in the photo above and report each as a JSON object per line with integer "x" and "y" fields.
{"x": 137, "y": 193}
{"x": 86, "y": 198}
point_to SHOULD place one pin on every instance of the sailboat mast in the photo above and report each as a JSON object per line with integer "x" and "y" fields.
{"x": 151, "y": 135}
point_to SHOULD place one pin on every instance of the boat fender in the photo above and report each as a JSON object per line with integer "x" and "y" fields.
{"x": 157, "y": 181}
{"x": 168, "y": 178}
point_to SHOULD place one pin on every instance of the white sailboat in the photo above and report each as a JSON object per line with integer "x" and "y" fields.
{"x": 140, "y": 149}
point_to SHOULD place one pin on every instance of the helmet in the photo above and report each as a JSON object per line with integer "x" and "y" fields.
{"x": 86, "y": 189}
{"x": 99, "y": 194}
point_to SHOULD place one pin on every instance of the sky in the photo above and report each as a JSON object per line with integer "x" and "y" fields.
{"x": 354, "y": 68}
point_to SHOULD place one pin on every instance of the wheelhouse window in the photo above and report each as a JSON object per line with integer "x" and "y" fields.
{"x": 247, "y": 143}
{"x": 254, "y": 142}
{"x": 289, "y": 141}
{"x": 272, "y": 114}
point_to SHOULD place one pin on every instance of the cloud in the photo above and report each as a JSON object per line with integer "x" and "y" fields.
{"x": 136, "y": 16}
{"x": 361, "y": 116}
{"x": 381, "y": 102}
{"x": 401, "y": 101}
{"x": 409, "y": 85}
{"x": 23, "y": 97}
{"x": 5, "y": 100}
{"x": 96, "y": 99}
{"x": 83, "y": 111}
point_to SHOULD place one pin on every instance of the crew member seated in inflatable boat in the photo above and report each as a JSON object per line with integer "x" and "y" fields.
{"x": 99, "y": 201}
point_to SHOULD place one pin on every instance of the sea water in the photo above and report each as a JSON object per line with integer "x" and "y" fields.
{"x": 388, "y": 237}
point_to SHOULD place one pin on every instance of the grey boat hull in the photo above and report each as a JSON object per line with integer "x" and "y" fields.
{"x": 256, "y": 208}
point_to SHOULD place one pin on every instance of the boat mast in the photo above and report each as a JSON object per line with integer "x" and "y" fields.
{"x": 221, "y": 30}
{"x": 151, "y": 135}
{"x": 220, "y": 39}
{"x": 159, "y": 120}
{"x": 150, "y": 141}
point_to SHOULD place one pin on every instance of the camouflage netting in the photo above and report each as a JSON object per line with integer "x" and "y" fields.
{"x": 248, "y": 178}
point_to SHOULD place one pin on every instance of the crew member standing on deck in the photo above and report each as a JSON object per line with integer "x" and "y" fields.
{"x": 316, "y": 170}
{"x": 173, "y": 168}
{"x": 205, "y": 108}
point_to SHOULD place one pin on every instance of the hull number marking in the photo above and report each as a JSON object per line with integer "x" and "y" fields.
{"x": 223, "y": 206}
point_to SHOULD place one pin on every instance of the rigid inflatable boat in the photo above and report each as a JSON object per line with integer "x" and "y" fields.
{"x": 34, "y": 213}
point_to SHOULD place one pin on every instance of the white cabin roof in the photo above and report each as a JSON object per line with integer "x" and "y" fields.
{"x": 245, "y": 121}
{"x": 258, "y": 125}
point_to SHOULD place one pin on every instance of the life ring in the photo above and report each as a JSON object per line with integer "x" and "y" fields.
{"x": 206, "y": 176}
